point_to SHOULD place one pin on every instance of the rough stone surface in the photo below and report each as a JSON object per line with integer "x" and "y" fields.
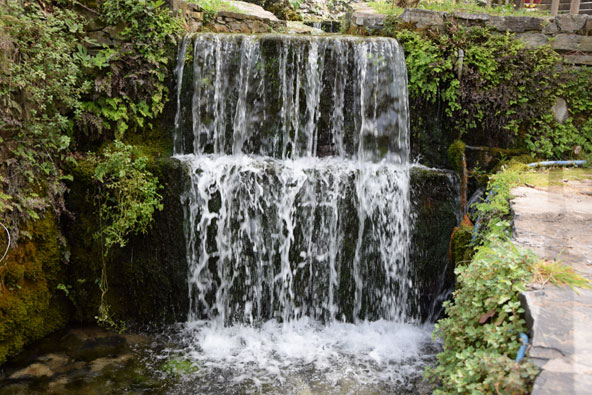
{"x": 550, "y": 28}
{"x": 555, "y": 222}
{"x": 247, "y": 18}
{"x": 423, "y": 18}
{"x": 572, "y": 42}
{"x": 364, "y": 16}
{"x": 559, "y": 110}
{"x": 533, "y": 40}
{"x": 34, "y": 370}
{"x": 515, "y": 24}
{"x": 578, "y": 59}
{"x": 480, "y": 17}
{"x": 572, "y": 35}
{"x": 571, "y": 23}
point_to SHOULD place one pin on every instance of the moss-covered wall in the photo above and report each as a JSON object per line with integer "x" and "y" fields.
{"x": 147, "y": 278}
{"x": 31, "y": 306}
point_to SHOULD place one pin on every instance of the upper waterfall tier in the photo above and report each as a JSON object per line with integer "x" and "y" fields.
{"x": 289, "y": 97}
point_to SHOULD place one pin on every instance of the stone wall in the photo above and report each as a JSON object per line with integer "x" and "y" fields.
{"x": 570, "y": 36}
{"x": 245, "y": 18}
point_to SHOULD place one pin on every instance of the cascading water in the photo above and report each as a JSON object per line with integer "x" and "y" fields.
{"x": 297, "y": 213}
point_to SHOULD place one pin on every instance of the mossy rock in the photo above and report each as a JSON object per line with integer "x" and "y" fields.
{"x": 461, "y": 250}
{"x": 31, "y": 307}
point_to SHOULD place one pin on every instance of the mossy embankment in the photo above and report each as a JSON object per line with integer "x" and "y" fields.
{"x": 31, "y": 306}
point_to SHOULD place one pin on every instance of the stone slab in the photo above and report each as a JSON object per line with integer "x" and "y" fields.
{"x": 572, "y": 43}
{"x": 556, "y": 222}
{"x": 365, "y": 16}
{"x": 423, "y": 18}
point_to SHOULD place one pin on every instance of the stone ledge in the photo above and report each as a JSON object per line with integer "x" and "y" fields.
{"x": 569, "y": 35}
{"x": 251, "y": 19}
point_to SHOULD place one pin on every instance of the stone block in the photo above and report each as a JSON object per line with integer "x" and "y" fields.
{"x": 587, "y": 30}
{"x": 578, "y": 59}
{"x": 515, "y": 24}
{"x": 480, "y": 17}
{"x": 572, "y": 43}
{"x": 423, "y": 18}
{"x": 550, "y": 28}
{"x": 533, "y": 40}
{"x": 219, "y": 28}
{"x": 571, "y": 23}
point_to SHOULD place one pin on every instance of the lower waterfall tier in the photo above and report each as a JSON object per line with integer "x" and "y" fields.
{"x": 322, "y": 238}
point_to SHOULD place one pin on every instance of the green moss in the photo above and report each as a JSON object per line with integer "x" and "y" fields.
{"x": 460, "y": 245}
{"x": 30, "y": 305}
{"x": 456, "y": 153}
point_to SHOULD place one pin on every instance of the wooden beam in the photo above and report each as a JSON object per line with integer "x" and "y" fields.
{"x": 575, "y": 7}
{"x": 554, "y": 7}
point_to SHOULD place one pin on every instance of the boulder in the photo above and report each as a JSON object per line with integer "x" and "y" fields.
{"x": 572, "y": 43}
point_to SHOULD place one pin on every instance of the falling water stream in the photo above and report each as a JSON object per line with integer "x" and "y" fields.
{"x": 297, "y": 214}
{"x": 305, "y": 273}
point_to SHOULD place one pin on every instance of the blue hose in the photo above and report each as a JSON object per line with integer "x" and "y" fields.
{"x": 557, "y": 163}
{"x": 522, "y": 350}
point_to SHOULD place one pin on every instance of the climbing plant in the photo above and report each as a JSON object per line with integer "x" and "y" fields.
{"x": 126, "y": 198}
{"x": 129, "y": 74}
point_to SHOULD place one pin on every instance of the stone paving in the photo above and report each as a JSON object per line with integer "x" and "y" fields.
{"x": 556, "y": 222}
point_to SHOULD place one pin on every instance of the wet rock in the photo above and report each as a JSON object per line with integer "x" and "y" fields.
{"x": 91, "y": 343}
{"x": 98, "y": 365}
{"x": 36, "y": 370}
{"x": 59, "y": 363}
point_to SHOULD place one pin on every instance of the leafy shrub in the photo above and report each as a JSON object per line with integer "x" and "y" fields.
{"x": 129, "y": 79}
{"x": 500, "y": 95}
{"x": 40, "y": 87}
{"x": 483, "y": 322}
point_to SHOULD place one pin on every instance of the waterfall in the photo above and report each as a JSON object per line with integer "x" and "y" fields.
{"x": 298, "y": 204}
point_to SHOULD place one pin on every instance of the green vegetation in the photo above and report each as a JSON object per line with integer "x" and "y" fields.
{"x": 483, "y": 321}
{"x": 127, "y": 197}
{"x": 67, "y": 90}
{"x": 397, "y": 8}
{"x": 501, "y": 94}
{"x": 212, "y": 7}
{"x": 481, "y": 329}
{"x": 29, "y": 307}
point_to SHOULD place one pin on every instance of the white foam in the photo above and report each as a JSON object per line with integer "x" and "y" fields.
{"x": 380, "y": 352}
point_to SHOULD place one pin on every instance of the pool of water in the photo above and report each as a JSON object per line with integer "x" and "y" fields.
{"x": 302, "y": 357}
